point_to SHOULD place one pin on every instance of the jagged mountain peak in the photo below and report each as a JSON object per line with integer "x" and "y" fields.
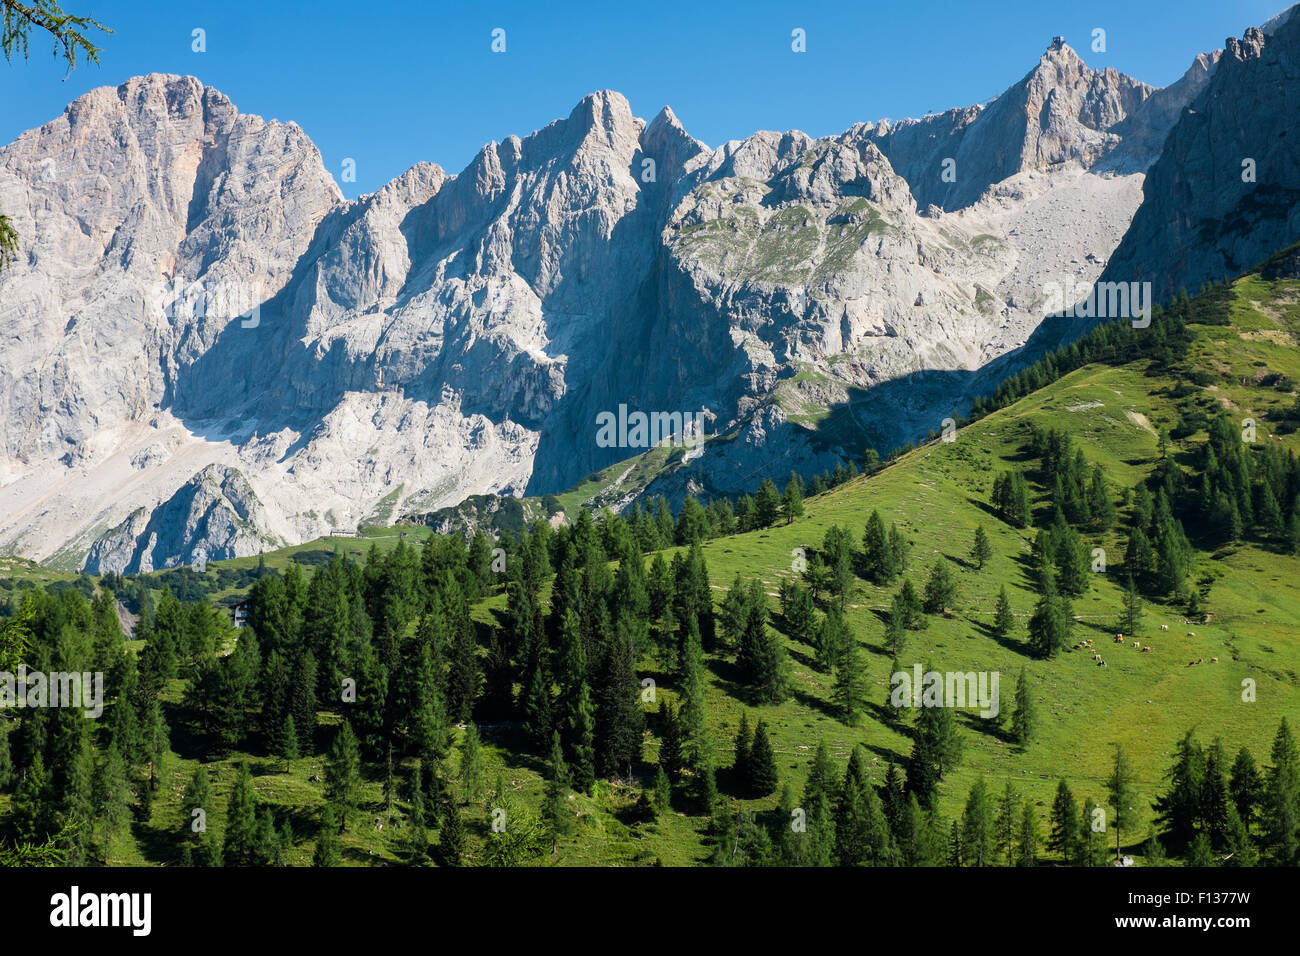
{"x": 1250, "y": 45}
{"x": 666, "y": 118}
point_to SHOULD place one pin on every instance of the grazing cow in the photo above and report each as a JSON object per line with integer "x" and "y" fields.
{"x": 1146, "y": 649}
{"x": 1191, "y": 633}
{"x": 1164, "y": 627}
{"x": 1214, "y": 660}
{"x": 1200, "y": 660}
{"x": 1119, "y": 638}
{"x": 1191, "y": 663}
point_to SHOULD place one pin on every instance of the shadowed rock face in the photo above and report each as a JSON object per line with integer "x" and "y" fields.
{"x": 209, "y": 347}
{"x": 1225, "y": 193}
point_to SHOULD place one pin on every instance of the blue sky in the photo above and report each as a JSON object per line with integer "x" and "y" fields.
{"x": 390, "y": 84}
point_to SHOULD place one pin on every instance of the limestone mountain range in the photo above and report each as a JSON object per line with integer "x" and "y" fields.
{"x": 203, "y": 345}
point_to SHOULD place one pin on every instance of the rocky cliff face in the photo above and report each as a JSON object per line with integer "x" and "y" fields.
{"x": 211, "y": 349}
{"x": 1060, "y": 112}
{"x": 1225, "y": 192}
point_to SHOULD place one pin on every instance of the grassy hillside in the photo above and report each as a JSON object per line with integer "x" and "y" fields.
{"x": 938, "y": 495}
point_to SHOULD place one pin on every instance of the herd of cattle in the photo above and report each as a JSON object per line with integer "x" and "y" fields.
{"x": 1086, "y": 645}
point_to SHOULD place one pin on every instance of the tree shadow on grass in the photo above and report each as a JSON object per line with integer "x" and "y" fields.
{"x": 984, "y": 506}
{"x": 1006, "y": 641}
{"x": 730, "y": 679}
{"x": 816, "y": 703}
{"x": 960, "y": 561}
{"x": 1025, "y": 561}
{"x": 988, "y": 726}
{"x": 807, "y": 660}
{"x": 885, "y": 716}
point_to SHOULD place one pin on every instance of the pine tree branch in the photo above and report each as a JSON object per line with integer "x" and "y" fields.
{"x": 66, "y": 29}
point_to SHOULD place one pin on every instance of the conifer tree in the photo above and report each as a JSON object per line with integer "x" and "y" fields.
{"x": 1023, "y": 718}
{"x": 464, "y": 675}
{"x": 940, "y": 588}
{"x": 451, "y": 835}
{"x": 744, "y": 743}
{"x": 762, "y": 655}
{"x": 767, "y": 503}
{"x": 850, "y": 682}
{"x": 895, "y": 631}
{"x": 1049, "y": 626}
{"x": 877, "y": 559}
{"x": 303, "y": 702}
{"x": 907, "y": 603}
{"x": 923, "y": 769}
{"x": 1246, "y": 786}
{"x": 798, "y": 613}
{"x": 861, "y": 831}
{"x": 110, "y": 799}
{"x": 286, "y": 743}
{"x": 539, "y": 718}
{"x": 1073, "y": 569}
{"x": 242, "y": 841}
{"x": 898, "y": 548}
{"x": 1131, "y": 616}
{"x": 1007, "y": 823}
{"x": 620, "y": 720}
{"x": 555, "y": 812}
{"x": 418, "y": 825}
{"x": 762, "y": 763}
{"x": 792, "y": 501}
{"x": 1120, "y": 788}
{"x": 198, "y": 835}
{"x": 670, "y": 743}
{"x": 343, "y": 772}
{"x": 1004, "y": 619}
{"x": 1092, "y": 835}
{"x": 1178, "y": 809}
{"x": 977, "y": 828}
{"x": 1199, "y": 852}
{"x": 837, "y": 551}
{"x": 1281, "y": 804}
{"x": 690, "y": 719}
{"x": 833, "y": 638}
{"x": 329, "y": 849}
{"x": 1215, "y": 799}
{"x": 892, "y": 796}
{"x": 663, "y": 792}
{"x": 981, "y": 550}
{"x": 471, "y": 763}
{"x": 938, "y": 727}
{"x": 1063, "y": 837}
{"x": 1241, "y": 848}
